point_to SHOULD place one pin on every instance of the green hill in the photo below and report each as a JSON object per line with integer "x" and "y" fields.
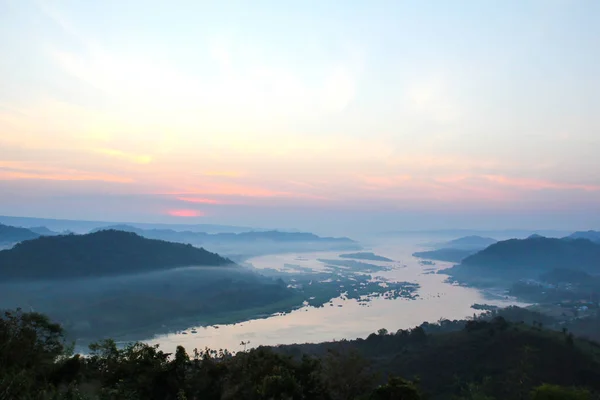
{"x": 103, "y": 253}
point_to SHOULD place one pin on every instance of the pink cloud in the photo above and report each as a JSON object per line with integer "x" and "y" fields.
{"x": 185, "y": 213}
{"x": 16, "y": 170}
{"x": 202, "y": 200}
{"x": 536, "y": 184}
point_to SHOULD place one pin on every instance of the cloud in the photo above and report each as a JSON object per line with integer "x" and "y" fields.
{"x": 538, "y": 184}
{"x": 185, "y": 213}
{"x": 226, "y": 174}
{"x": 17, "y": 170}
{"x": 200, "y": 200}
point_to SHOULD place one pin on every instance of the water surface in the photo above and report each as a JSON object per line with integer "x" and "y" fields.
{"x": 345, "y": 319}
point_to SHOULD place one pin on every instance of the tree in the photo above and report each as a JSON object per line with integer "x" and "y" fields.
{"x": 382, "y": 332}
{"x": 396, "y": 389}
{"x": 555, "y": 392}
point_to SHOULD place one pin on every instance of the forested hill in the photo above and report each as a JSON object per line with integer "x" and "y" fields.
{"x": 538, "y": 253}
{"x": 12, "y": 234}
{"x": 103, "y": 253}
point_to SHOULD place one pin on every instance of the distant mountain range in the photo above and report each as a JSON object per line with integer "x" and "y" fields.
{"x": 594, "y": 236}
{"x": 11, "y": 234}
{"x": 472, "y": 242}
{"x": 500, "y": 233}
{"x": 448, "y": 255}
{"x": 456, "y": 250}
{"x": 538, "y": 253}
{"x": 246, "y": 244}
{"x": 103, "y": 253}
{"x": 81, "y": 226}
{"x": 203, "y": 237}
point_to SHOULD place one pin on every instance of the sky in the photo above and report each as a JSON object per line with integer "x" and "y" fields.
{"x": 317, "y": 115}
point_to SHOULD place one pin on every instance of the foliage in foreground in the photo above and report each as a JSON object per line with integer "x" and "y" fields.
{"x": 36, "y": 364}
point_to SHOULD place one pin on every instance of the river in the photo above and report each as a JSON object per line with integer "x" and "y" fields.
{"x": 346, "y": 319}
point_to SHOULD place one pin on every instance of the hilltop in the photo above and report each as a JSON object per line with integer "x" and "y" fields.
{"x": 538, "y": 253}
{"x": 11, "y": 234}
{"x": 472, "y": 242}
{"x": 243, "y": 245}
{"x": 508, "y": 261}
{"x": 593, "y": 236}
{"x": 274, "y": 236}
{"x": 103, "y": 253}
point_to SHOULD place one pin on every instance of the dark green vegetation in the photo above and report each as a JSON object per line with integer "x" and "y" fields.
{"x": 105, "y": 253}
{"x": 488, "y": 358}
{"x": 10, "y": 234}
{"x": 366, "y": 256}
{"x": 449, "y": 255}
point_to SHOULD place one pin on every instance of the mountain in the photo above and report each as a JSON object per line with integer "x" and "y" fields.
{"x": 594, "y": 236}
{"x": 449, "y": 255}
{"x": 515, "y": 259}
{"x": 538, "y": 254}
{"x": 470, "y": 243}
{"x": 103, "y": 253}
{"x": 534, "y": 236}
{"x": 245, "y": 244}
{"x": 273, "y": 236}
{"x": 81, "y": 226}
{"x": 43, "y": 231}
{"x": 11, "y": 234}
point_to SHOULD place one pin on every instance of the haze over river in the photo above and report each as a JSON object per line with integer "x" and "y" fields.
{"x": 346, "y": 319}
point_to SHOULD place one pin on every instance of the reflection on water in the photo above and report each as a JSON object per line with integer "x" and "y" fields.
{"x": 346, "y": 319}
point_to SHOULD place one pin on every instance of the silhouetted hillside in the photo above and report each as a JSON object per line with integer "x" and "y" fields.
{"x": 12, "y": 234}
{"x": 537, "y": 254}
{"x": 594, "y": 236}
{"x": 463, "y": 360}
{"x": 496, "y": 358}
{"x": 102, "y": 253}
